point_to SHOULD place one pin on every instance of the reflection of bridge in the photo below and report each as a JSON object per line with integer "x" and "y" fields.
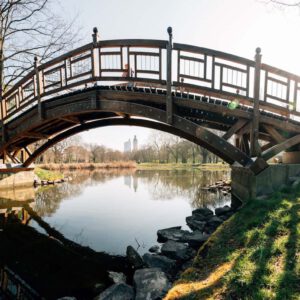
{"x": 171, "y": 85}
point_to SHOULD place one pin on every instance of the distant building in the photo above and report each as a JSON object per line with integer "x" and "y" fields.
{"x": 135, "y": 144}
{"x": 127, "y": 146}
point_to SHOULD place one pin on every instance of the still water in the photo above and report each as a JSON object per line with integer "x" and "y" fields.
{"x": 109, "y": 210}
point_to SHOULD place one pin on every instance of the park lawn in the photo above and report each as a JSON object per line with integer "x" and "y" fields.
{"x": 253, "y": 255}
{"x": 43, "y": 174}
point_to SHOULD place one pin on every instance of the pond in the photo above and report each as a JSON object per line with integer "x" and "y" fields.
{"x": 108, "y": 210}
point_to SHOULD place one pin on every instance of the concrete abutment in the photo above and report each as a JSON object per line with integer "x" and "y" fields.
{"x": 245, "y": 185}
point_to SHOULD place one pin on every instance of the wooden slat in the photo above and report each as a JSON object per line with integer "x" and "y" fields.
{"x": 195, "y": 59}
{"x": 229, "y": 67}
{"x": 144, "y": 53}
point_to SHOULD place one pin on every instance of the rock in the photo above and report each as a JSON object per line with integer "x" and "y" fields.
{"x": 202, "y": 213}
{"x": 187, "y": 264}
{"x": 134, "y": 258}
{"x": 226, "y": 216}
{"x": 154, "y": 249}
{"x": 196, "y": 239}
{"x": 117, "y": 277}
{"x": 150, "y": 284}
{"x": 213, "y": 223}
{"x": 98, "y": 288}
{"x": 166, "y": 264}
{"x": 194, "y": 223}
{"x": 177, "y": 250}
{"x": 222, "y": 210}
{"x": 118, "y": 291}
{"x": 172, "y": 233}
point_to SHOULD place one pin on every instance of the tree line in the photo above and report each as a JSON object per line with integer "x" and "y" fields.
{"x": 161, "y": 148}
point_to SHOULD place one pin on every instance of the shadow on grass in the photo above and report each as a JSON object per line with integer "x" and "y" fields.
{"x": 261, "y": 242}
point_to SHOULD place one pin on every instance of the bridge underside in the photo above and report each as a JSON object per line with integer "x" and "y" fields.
{"x": 194, "y": 116}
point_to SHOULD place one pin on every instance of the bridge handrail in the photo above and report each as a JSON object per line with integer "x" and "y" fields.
{"x": 211, "y": 52}
{"x": 208, "y": 71}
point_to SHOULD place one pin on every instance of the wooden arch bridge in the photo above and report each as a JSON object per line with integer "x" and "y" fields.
{"x": 185, "y": 90}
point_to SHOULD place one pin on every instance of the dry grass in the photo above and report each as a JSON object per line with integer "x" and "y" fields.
{"x": 89, "y": 166}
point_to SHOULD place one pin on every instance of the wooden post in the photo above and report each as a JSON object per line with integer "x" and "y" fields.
{"x": 255, "y": 150}
{"x": 3, "y": 131}
{"x": 38, "y": 88}
{"x": 169, "y": 103}
{"x": 95, "y": 41}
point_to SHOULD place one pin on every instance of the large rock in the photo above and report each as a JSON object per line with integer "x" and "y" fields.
{"x": 172, "y": 233}
{"x": 154, "y": 249}
{"x": 134, "y": 258}
{"x": 212, "y": 224}
{"x": 150, "y": 284}
{"x": 117, "y": 277}
{"x": 196, "y": 239}
{"x": 222, "y": 210}
{"x": 202, "y": 213}
{"x": 118, "y": 291}
{"x": 164, "y": 263}
{"x": 194, "y": 223}
{"x": 177, "y": 250}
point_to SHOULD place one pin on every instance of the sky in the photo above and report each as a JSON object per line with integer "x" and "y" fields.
{"x": 234, "y": 26}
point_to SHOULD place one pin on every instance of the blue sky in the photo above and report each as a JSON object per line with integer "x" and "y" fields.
{"x": 234, "y": 26}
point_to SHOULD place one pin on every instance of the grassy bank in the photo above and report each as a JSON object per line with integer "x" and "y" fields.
{"x": 253, "y": 255}
{"x": 89, "y": 166}
{"x": 179, "y": 166}
{"x": 43, "y": 174}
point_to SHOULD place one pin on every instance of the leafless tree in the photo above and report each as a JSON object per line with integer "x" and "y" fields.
{"x": 29, "y": 28}
{"x": 288, "y": 3}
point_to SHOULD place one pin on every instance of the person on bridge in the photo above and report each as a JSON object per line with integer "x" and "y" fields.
{"x": 127, "y": 74}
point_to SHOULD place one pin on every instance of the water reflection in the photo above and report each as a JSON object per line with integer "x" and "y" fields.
{"x": 162, "y": 185}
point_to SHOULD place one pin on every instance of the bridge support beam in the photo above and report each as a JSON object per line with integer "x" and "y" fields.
{"x": 246, "y": 186}
{"x": 254, "y": 133}
{"x": 169, "y": 102}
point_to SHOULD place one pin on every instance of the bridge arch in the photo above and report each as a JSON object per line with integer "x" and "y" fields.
{"x": 144, "y": 116}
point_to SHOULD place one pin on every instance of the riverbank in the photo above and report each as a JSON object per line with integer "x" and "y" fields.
{"x": 88, "y": 166}
{"x": 253, "y": 255}
{"x": 132, "y": 165}
{"x": 180, "y": 166}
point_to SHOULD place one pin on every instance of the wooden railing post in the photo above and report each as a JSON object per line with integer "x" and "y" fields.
{"x": 95, "y": 41}
{"x": 169, "y": 104}
{"x": 38, "y": 88}
{"x": 255, "y": 149}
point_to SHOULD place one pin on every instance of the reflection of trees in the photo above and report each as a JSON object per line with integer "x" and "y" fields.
{"x": 47, "y": 199}
{"x": 161, "y": 184}
{"x": 184, "y": 183}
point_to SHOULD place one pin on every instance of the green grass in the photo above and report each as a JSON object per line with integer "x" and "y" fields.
{"x": 253, "y": 255}
{"x": 48, "y": 175}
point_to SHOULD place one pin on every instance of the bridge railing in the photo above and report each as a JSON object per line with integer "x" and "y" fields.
{"x": 195, "y": 69}
{"x": 105, "y": 61}
{"x": 210, "y": 70}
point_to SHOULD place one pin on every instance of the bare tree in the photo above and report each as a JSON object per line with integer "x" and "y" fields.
{"x": 288, "y": 3}
{"x": 29, "y": 28}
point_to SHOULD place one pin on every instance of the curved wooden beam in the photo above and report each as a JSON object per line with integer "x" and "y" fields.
{"x": 198, "y": 138}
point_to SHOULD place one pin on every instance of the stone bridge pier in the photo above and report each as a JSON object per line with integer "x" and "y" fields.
{"x": 246, "y": 186}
